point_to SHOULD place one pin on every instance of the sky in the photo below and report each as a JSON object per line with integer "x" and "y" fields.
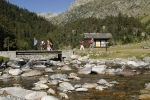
{"x": 43, "y": 6}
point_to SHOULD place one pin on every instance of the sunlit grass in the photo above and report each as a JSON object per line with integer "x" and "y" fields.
{"x": 145, "y": 19}
{"x": 123, "y": 51}
{"x": 2, "y": 59}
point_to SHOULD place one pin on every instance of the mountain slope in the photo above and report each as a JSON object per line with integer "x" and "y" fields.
{"x": 101, "y": 9}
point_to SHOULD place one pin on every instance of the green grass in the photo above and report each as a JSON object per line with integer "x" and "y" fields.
{"x": 145, "y": 19}
{"x": 2, "y": 59}
{"x": 123, "y": 51}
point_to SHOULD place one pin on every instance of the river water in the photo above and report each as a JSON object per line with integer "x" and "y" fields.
{"x": 128, "y": 88}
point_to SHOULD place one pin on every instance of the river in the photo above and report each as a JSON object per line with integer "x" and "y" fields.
{"x": 128, "y": 88}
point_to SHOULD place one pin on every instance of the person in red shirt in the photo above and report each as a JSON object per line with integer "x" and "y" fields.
{"x": 91, "y": 43}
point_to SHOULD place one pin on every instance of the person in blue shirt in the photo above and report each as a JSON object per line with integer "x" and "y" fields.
{"x": 35, "y": 44}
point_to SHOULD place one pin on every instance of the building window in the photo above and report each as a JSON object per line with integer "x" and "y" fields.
{"x": 103, "y": 43}
{"x": 98, "y": 44}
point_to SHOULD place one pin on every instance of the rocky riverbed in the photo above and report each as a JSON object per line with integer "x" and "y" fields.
{"x": 75, "y": 78}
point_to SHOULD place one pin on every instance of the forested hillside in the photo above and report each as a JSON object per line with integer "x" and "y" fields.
{"x": 124, "y": 30}
{"x": 18, "y": 27}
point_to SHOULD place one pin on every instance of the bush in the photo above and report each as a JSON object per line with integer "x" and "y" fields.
{"x": 3, "y": 59}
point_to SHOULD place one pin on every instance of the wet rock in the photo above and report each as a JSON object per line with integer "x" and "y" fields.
{"x": 76, "y": 62}
{"x": 43, "y": 80}
{"x": 132, "y": 64}
{"x": 113, "y": 82}
{"x": 39, "y": 66}
{"x": 137, "y": 64}
{"x": 49, "y": 70}
{"x": 128, "y": 72}
{"x": 29, "y": 64}
{"x": 133, "y": 59}
{"x": 84, "y": 58}
{"x": 14, "y": 72}
{"x": 5, "y": 98}
{"x": 146, "y": 59}
{"x": 81, "y": 89}
{"x": 64, "y": 80}
{"x": 89, "y": 85}
{"x": 66, "y": 68}
{"x": 119, "y": 72}
{"x": 72, "y": 75}
{"x": 26, "y": 69}
{"x": 101, "y": 62}
{"x": 53, "y": 82}
{"x": 75, "y": 65}
{"x": 5, "y": 76}
{"x": 92, "y": 61}
{"x": 100, "y": 88}
{"x": 65, "y": 86}
{"x": 144, "y": 97}
{"x": 73, "y": 57}
{"x": 148, "y": 86}
{"x": 63, "y": 96}
{"x": 119, "y": 94}
{"x": 100, "y": 69}
{"x": 40, "y": 86}
{"x": 119, "y": 61}
{"x": 59, "y": 76}
{"x": 15, "y": 63}
{"x": 147, "y": 67}
{"x": 51, "y": 91}
{"x": 111, "y": 71}
{"x": 49, "y": 98}
{"x": 35, "y": 95}
{"x": 144, "y": 91}
{"x": 77, "y": 86}
{"x": 1, "y": 73}
{"x": 32, "y": 73}
{"x": 86, "y": 70}
{"x": 102, "y": 81}
{"x": 48, "y": 63}
{"x": 23, "y": 93}
{"x": 58, "y": 63}
{"x": 3, "y": 65}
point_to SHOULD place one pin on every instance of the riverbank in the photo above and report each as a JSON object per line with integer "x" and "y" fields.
{"x": 76, "y": 77}
{"x": 118, "y": 51}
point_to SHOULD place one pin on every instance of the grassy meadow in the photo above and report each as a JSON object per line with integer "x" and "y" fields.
{"x": 118, "y": 51}
{"x": 146, "y": 19}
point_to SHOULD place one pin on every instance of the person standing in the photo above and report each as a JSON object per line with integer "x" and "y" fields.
{"x": 82, "y": 45}
{"x": 91, "y": 43}
{"x": 49, "y": 45}
{"x": 35, "y": 44}
{"x": 42, "y": 45}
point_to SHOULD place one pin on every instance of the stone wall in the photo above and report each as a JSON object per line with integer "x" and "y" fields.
{"x": 12, "y": 55}
{"x": 67, "y": 53}
{"x": 9, "y": 54}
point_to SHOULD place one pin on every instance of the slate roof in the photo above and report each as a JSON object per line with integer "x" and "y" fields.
{"x": 98, "y": 35}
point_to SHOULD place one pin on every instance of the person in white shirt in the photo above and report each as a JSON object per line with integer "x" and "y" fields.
{"x": 42, "y": 45}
